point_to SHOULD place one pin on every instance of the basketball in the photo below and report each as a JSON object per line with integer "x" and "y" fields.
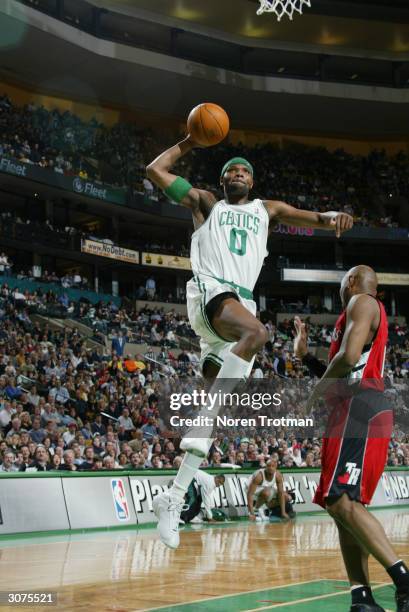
{"x": 208, "y": 124}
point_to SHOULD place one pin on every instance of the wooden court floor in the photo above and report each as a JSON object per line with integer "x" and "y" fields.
{"x": 235, "y": 567}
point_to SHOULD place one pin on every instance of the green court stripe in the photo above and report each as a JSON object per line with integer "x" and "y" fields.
{"x": 259, "y": 599}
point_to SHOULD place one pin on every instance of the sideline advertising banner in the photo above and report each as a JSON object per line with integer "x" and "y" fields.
{"x": 103, "y": 249}
{"x": 335, "y": 276}
{"x": 232, "y": 497}
{"x": 98, "y": 502}
{"x": 166, "y": 261}
{"x": 32, "y": 504}
{"x": 48, "y": 503}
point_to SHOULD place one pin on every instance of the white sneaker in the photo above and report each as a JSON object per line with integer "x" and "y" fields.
{"x": 167, "y": 510}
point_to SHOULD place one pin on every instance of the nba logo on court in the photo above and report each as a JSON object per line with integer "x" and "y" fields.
{"x": 120, "y": 501}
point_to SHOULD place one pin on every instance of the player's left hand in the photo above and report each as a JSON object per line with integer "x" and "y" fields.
{"x": 300, "y": 338}
{"x": 342, "y": 222}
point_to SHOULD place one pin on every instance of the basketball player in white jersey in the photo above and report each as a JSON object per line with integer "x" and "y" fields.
{"x": 228, "y": 248}
{"x": 266, "y": 487}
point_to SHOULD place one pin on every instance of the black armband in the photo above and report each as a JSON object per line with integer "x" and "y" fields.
{"x": 315, "y": 366}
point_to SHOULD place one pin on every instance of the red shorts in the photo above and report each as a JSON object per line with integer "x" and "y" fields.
{"x": 355, "y": 448}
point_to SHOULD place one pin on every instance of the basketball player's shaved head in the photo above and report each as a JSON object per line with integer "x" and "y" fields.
{"x": 271, "y": 466}
{"x": 360, "y": 279}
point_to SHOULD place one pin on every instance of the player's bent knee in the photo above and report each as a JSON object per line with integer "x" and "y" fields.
{"x": 256, "y": 337}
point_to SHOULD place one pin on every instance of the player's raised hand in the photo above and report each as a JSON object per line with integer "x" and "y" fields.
{"x": 193, "y": 142}
{"x": 339, "y": 222}
{"x": 300, "y": 338}
{"x": 342, "y": 222}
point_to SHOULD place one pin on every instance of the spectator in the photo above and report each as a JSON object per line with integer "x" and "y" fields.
{"x": 8, "y": 462}
{"x": 118, "y": 344}
{"x": 69, "y": 462}
{"x": 150, "y": 287}
{"x": 125, "y": 420}
{"x": 40, "y": 463}
{"x": 150, "y": 429}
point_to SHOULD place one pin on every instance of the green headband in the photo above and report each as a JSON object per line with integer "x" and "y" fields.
{"x": 237, "y": 160}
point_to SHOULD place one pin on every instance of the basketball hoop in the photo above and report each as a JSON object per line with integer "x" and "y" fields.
{"x": 282, "y": 7}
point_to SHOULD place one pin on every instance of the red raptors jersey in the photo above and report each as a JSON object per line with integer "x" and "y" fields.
{"x": 368, "y": 372}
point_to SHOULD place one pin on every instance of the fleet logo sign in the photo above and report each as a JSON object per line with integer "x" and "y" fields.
{"x": 78, "y": 185}
{"x": 120, "y": 500}
{"x": 87, "y": 188}
{"x": 12, "y": 167}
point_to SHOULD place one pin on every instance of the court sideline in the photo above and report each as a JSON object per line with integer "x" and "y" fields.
{"x": 238, "y": 567}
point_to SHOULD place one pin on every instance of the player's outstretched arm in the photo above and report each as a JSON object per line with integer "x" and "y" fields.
{"x": 280, "y": 212}
{"x": 178, "y": 189}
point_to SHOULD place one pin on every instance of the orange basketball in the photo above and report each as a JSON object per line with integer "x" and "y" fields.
{"x": 208, "y": 124}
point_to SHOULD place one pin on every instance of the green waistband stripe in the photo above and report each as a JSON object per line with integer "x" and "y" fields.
{"x": 242, "y": 291}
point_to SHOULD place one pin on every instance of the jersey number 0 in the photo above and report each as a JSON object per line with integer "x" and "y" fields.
{"x": 238, "y": 241}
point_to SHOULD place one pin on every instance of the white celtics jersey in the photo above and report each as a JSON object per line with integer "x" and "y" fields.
{"x": 232, "y": 243}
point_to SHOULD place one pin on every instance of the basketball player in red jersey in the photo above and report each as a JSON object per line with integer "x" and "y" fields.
{"x": 355, "y": 445}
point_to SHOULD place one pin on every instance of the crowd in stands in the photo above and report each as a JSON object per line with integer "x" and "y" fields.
{"x": 373, "y": 188}
{"x": 71, "y": 403}
{"x": 68, "y": 403}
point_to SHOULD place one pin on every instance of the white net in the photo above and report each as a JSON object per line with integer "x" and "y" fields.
{"x": 282, "y": 7}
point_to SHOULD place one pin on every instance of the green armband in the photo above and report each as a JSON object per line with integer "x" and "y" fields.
{"x": 178, "y": 189}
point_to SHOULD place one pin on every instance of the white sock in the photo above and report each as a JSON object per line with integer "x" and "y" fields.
{"x": 233, "y": 370}
{"x": 234, "y": 367}
{"x": 188, "y": 468}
